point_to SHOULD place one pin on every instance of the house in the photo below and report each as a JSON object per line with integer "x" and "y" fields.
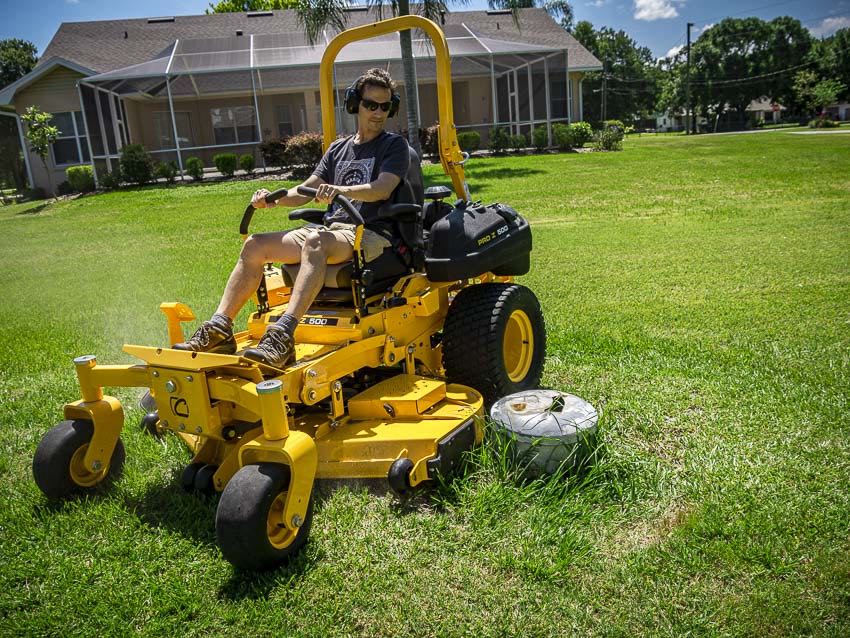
{"x": 198, "y": 85}
{"x": 765, "y": 110}
{"x": 677, "y": 120}
{"x": 838, "y": 111}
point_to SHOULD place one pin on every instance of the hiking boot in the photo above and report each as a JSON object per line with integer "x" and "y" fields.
{"x": 275, "y": 349}
{"x": 210, "y": 337}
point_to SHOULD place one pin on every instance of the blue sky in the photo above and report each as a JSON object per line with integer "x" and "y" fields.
{"x": 658, "y": 24}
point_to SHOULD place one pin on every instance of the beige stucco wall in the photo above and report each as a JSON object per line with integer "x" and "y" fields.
{"x": 54, "y": 92}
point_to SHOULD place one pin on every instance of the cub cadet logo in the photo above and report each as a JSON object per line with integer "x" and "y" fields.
{"x": 319, "y": 321}
{"x": 491, "y": 236}
{"x": 179, "y": 407}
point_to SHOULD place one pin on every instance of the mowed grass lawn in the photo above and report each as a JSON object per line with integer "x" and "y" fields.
{"x": 697, "y": 290}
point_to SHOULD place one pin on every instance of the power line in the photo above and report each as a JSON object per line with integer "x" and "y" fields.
{"x": 751, "y": 78}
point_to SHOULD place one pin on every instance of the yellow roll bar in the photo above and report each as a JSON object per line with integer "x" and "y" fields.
{"x": 450, "y": 154}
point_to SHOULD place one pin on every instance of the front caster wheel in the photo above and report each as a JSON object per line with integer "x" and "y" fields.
{"x": 58, "y": 466}
{"x": 249, "y": 521}
{"x": 149, "y": 424}
{"x": 204, "y": 479}
{"x": 399, "y": 476}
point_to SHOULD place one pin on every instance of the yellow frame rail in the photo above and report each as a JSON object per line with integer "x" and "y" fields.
{"x": 450, "y": 154}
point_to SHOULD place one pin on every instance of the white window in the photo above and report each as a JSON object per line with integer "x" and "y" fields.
{"x": 71, "y": 147}
{"x": 234, "y": 124}
{"x": 283, "y": 115}
{"x": 165, "y": 130}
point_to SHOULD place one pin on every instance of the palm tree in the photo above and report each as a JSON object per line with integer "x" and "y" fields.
{"x": 315, "y": 15}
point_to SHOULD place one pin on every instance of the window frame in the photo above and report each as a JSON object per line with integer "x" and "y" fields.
{"x": 170, "y": 129}
{"x": 235, "y": 125}
{"x": 78, "y": 138}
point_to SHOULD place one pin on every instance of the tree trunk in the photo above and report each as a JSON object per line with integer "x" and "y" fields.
{"x": 409, "y": 73}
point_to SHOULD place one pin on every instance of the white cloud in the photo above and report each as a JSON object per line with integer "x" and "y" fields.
{"x": 72, "y": 1}
{"x": 654, "y": 10}
{"x": 830, "y": 26}
{"x": 674, "y": 51}
{"x": 596, "y": 3}
{"x": 699, "y": 32}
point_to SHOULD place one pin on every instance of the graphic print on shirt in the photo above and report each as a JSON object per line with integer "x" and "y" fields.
{"x": 352, "y": 173}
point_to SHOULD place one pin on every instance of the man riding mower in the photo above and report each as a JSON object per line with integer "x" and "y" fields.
{"x": 372, "y": 353}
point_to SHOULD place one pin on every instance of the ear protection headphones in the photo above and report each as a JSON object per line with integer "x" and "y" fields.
{"x": 352, "y": 99}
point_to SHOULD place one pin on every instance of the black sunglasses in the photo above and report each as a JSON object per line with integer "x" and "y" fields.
{"x": 373, "y": 106}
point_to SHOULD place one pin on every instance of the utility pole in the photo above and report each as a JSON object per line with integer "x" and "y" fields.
{"x": 689, "y": 117}
{"x": 604, "y": 105}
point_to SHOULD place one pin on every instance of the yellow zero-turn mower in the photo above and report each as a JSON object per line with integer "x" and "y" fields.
{"x": 395, "y": 361}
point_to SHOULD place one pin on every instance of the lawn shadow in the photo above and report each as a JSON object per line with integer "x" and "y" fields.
{"x": 168, "y": 506}
{"x": 247, "y": 585}
{"x": 35, "y": 210}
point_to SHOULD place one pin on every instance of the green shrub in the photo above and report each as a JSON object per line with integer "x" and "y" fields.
{"x": 111, "y": 180}
{"x": 136, "y": 164}
{"x": 500, "y": 140}
{"x": 540, "y": 138}
{"x": 195, "y": 167}
{"x": 823, "y": 122}
{"x": 247, "y": 163}
{"x": 469, "y": 141}
{"x": 273, "y": 151}
{"x": 613, "y": 123}
{"x": 64, "y": 188}
{"x": 166, "y": 171}
{"x": 35, "y": 193}
{"x": 609, "y": 138}
{"x": 582, "y": 133}
{"x": 81, "y": 178}
{"x": 226, "y": 163}
{"x": 518, "y": 142}
{"x": 562, "y": 136}
{"x": 303, "y": 152}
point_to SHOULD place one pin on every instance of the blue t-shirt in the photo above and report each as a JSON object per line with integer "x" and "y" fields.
{"x": 347, "y": 164}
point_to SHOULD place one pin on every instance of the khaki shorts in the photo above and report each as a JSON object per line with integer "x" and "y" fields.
{"x": 372, "y": 243}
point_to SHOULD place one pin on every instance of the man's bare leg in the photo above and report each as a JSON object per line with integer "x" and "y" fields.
{"x": 320, "y": 249}
{"x": 216, "y": 335}
{"x": 257, "y": 251}
{"x": 277, "y": 347}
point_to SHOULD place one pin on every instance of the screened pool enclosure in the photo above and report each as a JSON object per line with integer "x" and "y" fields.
{"x": 204, "y": 96}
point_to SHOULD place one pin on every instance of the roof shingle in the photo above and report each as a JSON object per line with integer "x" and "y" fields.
{"x": 106, "y": 45}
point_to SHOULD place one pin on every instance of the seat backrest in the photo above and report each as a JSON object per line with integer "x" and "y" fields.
{"x": 412, "y": 191}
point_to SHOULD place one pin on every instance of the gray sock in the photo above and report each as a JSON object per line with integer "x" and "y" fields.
{"x": 288, "y": 322}
{"x": 222, "y": 321}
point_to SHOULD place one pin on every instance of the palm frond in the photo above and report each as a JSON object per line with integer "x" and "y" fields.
{"x": 316, "y": 15}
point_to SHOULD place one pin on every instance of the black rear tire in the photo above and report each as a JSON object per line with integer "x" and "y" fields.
{"x": 494, "y": 340}
{"x": 58, "y": 462}
{"x": 249, "y": 536}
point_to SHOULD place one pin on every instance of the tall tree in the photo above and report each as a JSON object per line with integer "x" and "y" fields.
{"x": 628, "y": 70}
{"x": 561, "y": 10}
{"x": 739, "y": 60}
{"x": 832, "y": 58}
{"x": 317, "y": 14}
{"x": 17, "y": 58}
{"x": 237, "y": 6}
